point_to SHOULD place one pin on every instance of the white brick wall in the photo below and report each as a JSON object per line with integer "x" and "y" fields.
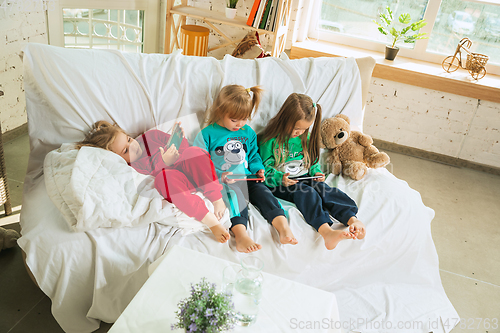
{"x": 16, "y": 29}
{"x": 434, "y": 121}
{"x": 482, "y": 142}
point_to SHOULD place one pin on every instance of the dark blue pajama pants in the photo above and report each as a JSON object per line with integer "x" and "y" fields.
{"x": 259, "y": 195}
{"x": 316, "y": 200}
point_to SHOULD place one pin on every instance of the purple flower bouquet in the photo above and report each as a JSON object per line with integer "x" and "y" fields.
{"x": 205, "y": 310}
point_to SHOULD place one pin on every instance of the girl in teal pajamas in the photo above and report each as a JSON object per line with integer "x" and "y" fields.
{"x": 233, "y": 148}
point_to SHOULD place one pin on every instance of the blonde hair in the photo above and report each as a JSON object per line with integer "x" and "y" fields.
{"x": 236, "y": 102}
{"x": 102, "y": 135}
{"x": 296, "y": 107}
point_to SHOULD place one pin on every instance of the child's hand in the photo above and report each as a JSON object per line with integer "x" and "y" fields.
{"x": 182, "y": 129}
{"x": 170, "y": 156}
{"x": 287, "y": 181}
{"x": 260, "y": 173}
{"x": 224, "y": 178}
{"x": 322, "y": 179}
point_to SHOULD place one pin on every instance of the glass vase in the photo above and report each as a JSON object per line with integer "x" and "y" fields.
{"x": 248, "y": 291}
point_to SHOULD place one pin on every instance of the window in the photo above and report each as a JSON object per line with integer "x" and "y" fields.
{"x": 104, "y": 28}
{"x": 351, "y": 22}
{"x": 126, "y": 25}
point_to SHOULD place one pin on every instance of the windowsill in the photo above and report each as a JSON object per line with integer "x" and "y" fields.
{"x": 408, "y": 71}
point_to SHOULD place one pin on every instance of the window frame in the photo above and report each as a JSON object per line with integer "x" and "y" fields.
{"x": 418, "y": 52}
{"x": 151, "y": 10}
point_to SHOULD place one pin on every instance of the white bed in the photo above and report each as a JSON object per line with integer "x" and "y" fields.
{"x": 390, "y": 278}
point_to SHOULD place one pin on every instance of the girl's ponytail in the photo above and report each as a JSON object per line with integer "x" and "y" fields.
{"x": 314, "y": 141}
{"x": 236, "y": 102}
{"x": 98, "y": 126}
{"x": 257, "y": 96}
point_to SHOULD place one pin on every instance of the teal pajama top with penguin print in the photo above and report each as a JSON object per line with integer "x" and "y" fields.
{"x": 237, "y": 152}
{"x": 231, "y": 151}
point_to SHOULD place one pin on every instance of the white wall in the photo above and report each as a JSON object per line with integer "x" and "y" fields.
{"x": 17, "y": 27}
{"x": 444, "y": 123}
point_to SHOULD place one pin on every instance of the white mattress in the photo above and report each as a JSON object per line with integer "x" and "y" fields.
{"x": 391, "y": 276}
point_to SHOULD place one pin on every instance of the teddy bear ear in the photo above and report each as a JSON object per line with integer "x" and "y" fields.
{"x": 323, "y": 127}
{"x": 343, "y": 116}
{"x": 321, "y": 144}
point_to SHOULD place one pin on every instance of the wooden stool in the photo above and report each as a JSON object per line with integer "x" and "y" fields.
{"x": 194, "y": 40}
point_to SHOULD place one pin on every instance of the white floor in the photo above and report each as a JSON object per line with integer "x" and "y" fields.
{"x": 466, "y": 232}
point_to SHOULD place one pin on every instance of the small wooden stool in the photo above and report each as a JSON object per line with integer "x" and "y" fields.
{"x": 194, "y": 40}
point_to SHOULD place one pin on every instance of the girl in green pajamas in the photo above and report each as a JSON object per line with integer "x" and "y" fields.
{"x": 289, "y": 151}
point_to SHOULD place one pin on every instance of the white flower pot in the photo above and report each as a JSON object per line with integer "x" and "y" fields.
{"x": 230, "y": 13}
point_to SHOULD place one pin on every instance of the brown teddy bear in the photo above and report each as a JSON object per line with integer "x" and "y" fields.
{"x": 349, "y": 152}
{"x": 8, "y": 238}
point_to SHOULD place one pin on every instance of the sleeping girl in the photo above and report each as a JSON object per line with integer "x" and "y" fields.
{"x": 178, "y": 173}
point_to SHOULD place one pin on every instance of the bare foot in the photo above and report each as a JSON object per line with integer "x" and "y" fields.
{"x": 246, "y": 245}
{"x": 220, "y": 233}
{"x": 219, "y": 208}
{"x": 286, "y": 235}
{"x": 333, "y": 237}
{"x": 357, "y": 228}
{"x": 243, "y": 242}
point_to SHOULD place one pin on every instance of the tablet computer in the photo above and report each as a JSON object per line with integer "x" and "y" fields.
{"x": 305, "y": 177}
{"x": 247, "y": 177}
{"x": 176, "y": 137}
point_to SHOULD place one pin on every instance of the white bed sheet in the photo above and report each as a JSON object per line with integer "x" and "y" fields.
{"x": 391, "y": 276}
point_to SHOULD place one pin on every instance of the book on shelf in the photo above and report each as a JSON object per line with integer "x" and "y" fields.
{"x": 279, "y": 10}
{"x": 253, "y": 12}
{"x": 265, "y": 16}
{"x": 272, "y": 15}
{"x": 258, "y": 16}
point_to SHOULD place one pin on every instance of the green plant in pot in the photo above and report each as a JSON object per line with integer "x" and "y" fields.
{"x": 231, "y": 8}
{"x": 231, "y": 3}
{"x": 408, "y": 34}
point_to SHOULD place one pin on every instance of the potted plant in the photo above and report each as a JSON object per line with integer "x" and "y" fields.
{"x": 205, "y": 310}
{"x": 231, "y": 8}
{"x": 385, "y": 27}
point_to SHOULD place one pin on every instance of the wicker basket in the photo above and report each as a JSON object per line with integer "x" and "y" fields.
{"x": 4, "y": 188}
{"x": 476, "y": 61}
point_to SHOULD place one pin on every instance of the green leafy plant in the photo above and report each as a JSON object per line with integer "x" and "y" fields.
{"x": 231, "y": 3}
{"x": 386, "y": 27}
{"x": 205, "y": 310}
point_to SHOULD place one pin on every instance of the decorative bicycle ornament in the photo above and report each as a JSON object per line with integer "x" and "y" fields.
{"x": 475, "y": 62}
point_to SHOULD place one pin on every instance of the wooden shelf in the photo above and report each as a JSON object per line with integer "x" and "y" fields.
{"x": 211, "y": 17}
